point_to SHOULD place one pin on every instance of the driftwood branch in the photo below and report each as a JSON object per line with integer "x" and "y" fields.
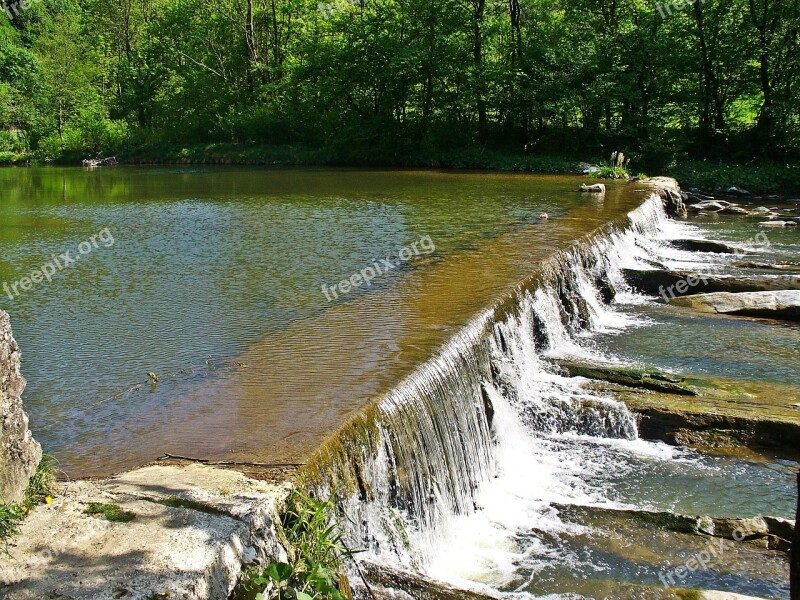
{"x": 227, "y": 463}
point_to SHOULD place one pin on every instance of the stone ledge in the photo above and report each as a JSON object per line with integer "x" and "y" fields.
{"x": 193, "y": 548}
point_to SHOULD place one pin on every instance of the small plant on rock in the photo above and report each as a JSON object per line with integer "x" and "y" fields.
{"x": 316, "y": 550}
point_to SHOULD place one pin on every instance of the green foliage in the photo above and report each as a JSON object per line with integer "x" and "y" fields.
{"x": 43, "y": 483}
{"x": 40, "y": 489}
{"x": 617, "y": 168}
{"x": 10, "y": 517}
{"x": 110, "y": 512}
{"x": 758, "y": 177}
{"x": 481, "y": 84}
{"x": 316, "y": 549}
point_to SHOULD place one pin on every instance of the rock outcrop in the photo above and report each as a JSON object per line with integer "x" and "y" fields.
{"x": 669, "y": 284}
{"x": 670, "y": 195}
{"x": 775, "y": 305}
{"x": 19, "y": 452}
{"x": 191, "y": 531}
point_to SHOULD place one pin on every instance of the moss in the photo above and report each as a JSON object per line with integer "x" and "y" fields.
{"x": 110, "y": 512}
{"x": 647, "y": 379}
{"x": 177, "y": 502}
{"x": 688, "y": 594}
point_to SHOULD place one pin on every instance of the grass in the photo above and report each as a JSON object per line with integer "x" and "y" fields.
{"x": 617, "y": 168}
{"x": 40, "y": 490}
{"x": 316, "y": 550}
{"x": 43, "y": 483}
{"x": 110, "y": 512}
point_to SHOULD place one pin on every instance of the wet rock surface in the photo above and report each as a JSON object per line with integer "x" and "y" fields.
{"x": 784, "y": 304}
{"x": 666, "y": 283}
{"x": 701, "y": 413}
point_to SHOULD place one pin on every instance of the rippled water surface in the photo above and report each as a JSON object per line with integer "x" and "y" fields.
{"x": 214, "y": 282}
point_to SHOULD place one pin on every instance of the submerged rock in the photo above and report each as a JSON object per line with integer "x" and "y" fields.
{"x": 733, "y": 209}
{"x": 19, "y": 452}
{"x": 766, "y": 266}
{"x": 703, "y": 246}
{"x": 777, "y": 224}
{"x": 706, "y": 206}
{"x": 597, "y": 188}
{"x": 390, "y": 582}
{"x": 783, "y": 304}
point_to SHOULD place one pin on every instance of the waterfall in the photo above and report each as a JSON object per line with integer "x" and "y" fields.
{"x": 419, "y": 457}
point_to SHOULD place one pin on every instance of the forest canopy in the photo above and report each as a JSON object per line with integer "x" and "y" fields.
{"x": 395, "y": 78}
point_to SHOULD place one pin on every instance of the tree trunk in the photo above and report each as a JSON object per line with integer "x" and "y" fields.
{"x": 477, "y": 60}
{"x": 61, "y": 122}
{"x": 712, "y": 102}
{"x": 765, "y": 116}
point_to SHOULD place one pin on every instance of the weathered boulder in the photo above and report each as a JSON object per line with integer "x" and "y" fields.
{"x": 738, "y": 529}
{"x": 670, "y": 195}
{"x": 19, "y": 452}
{"x": 628, "y": 376}
{"x": 783, "y": 304}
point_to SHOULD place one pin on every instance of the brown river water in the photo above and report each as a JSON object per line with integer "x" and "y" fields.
{"x": 214, "y": 283}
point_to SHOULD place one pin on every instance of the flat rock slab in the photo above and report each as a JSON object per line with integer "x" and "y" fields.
{"x": 783, "y": 304}
{"x": 193, "y": 529}
{"x": 706, "y": 413}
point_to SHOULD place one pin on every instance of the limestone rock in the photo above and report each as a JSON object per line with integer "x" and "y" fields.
{"x": 19, "y": 452}
{"x": 670, "y": 194}
{"x": 777, "y": 305}
{"x": 195, "y": 529}
{"x": 668, "y": 284}
{"x": 715, "y": 595}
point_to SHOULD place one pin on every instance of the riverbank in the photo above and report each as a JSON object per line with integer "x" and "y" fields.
{"x": 758, "y": 176}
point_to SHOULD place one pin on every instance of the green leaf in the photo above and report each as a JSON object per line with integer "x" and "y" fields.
{"x": 279, "y": 572}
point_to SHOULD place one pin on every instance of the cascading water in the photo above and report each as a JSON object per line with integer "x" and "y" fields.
{"x": 475, "y": 432}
